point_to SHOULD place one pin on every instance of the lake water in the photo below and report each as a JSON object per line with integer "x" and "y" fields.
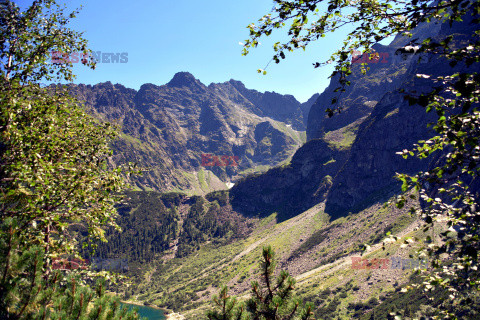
{"x": 148, "y": 312}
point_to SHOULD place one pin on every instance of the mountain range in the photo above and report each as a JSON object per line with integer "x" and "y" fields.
{"x": 168, "y": 129}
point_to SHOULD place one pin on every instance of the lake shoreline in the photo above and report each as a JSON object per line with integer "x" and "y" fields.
{"x": 169, "y": 314}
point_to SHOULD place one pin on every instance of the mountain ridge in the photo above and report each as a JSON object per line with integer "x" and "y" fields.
{"x": 168, "y": 128}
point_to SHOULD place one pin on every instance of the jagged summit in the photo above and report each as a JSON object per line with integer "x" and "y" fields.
{"x": 236, "y": 83}
{"x": 184, "y": 79}
{"x": 146, "y": 86}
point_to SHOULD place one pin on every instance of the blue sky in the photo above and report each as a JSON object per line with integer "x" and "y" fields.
{"x": 202, "y": 37}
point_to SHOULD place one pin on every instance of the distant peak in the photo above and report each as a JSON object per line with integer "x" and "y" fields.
{"x": 183, "y": 79}
{"x": 236, "y": 83}
{"x": 148, "y": 86}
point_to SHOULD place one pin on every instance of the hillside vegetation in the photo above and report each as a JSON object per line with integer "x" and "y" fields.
{"x": 316, "y": 251}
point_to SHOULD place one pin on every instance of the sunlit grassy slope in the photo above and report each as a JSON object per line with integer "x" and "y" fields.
{"x": 316, "y": 251}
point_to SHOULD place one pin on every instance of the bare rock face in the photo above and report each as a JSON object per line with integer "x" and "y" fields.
{"x": 284, "y": 108}
{"x": 186, "y": 79}
{"x": 321, "y": 162}
{"x": 368, "y": 174}
{"x": 359, "y": 98}
{"x": 350, "y": 159}
{"x": 168, "y": 128}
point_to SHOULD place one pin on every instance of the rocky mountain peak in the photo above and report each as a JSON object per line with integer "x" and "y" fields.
{"x": 184, "y": 79}
{"x": 236, "y": 84}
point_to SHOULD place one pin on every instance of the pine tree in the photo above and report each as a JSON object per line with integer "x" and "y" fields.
{"x": 229, "y": 308}
{"x": 275, "y": 301}
{"x": 28, "y": 294}
{"x": 270, "y": 302}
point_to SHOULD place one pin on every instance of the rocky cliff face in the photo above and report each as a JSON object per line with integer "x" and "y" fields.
{"x": 168, "y": 128}
{"x": 315, "y": 166}
{"x": 284, "y": 108}
{"x": 368, "y": 173}
{"x": 387, "y": 73}
{"x": 350, "y": 159}
{"x": 394, "y": 125}
{"x": 306, "y": 106}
